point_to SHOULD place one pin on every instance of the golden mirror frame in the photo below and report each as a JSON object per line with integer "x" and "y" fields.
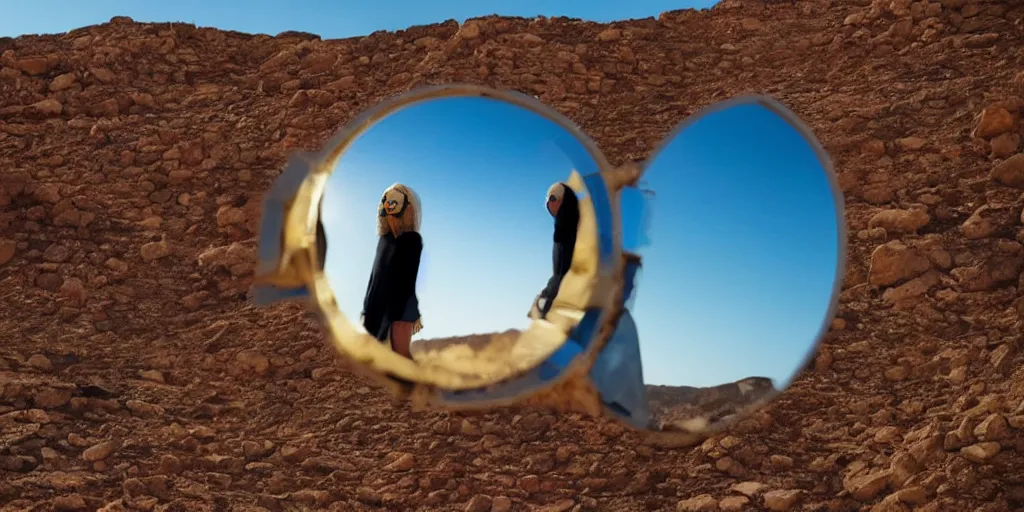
{"x": 592, "y": 283}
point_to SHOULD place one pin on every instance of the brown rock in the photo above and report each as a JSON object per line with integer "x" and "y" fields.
{"x": 155, "y": 250}
{"x": 993, "y": 428}
{"x": 894, "y": 262}
{"x": 50, "y": 398}
{"x": 734, "y": 503}
{"x": 404, "y": 462}
{"x": 782, "y": 501}
{"x": 63, "y": 82}
{"x": 40, "y": 362}
{"x": 227, "y": 216}
{"x": 99, "y": 451}
{"x": 1005, "y": 145}
{"x": 7, "y": 250}
{"x": 48, "y": 107}
{"x": 980, "y": 453}
{"x": 993, "y": 121}
{"x": 34, "y": 66}
{"x": 479, "y": 503}
{"x": 72, "y": 502}
{"x": 911, "y": 143}
{"x": 1010, "y": 172}
{"x": 866, "y": 487}
{"x": 749, "y": 489}
{"x": 153, "y": 376}
{"x": 900, "y": 221}
{"x": 501, "y": 504}
{"x": 609, "y": 34}
{"x": 702, "y": 503}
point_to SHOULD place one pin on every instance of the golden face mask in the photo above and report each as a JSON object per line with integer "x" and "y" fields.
{"x": 392, "y": 203}
{"x": 738, "y": 205}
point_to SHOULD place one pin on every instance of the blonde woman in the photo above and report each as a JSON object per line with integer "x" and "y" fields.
{"x": 390, "y": 307}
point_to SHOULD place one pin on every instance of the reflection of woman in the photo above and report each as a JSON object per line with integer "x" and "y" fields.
{"x": 321, "y": 238}
{"x": 564, "y": 206}
{"x": 390, "y": 307}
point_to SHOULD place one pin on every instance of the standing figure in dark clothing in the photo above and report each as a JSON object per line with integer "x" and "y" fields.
{"x": 321, "y": 238}
{"x": 390, "y": 308}
{"x": 564, "y": 206}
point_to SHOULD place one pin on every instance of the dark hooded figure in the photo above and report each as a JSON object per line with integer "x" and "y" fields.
{"x": 564, "y": 206}
{"x": 390, "y": 307}
{"x": 321, "y": 241}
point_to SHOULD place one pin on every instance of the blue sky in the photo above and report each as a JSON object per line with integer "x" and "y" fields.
{"x": 741, "y": 262}
{"x": 330, "y": 19}
{"x": 482, "y": 170}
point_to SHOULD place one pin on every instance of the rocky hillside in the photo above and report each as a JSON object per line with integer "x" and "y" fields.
{"x": 680, "y": 404}
{"x": 133, "y": 375}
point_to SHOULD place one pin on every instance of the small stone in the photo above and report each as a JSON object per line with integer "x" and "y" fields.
{"x": 911, "y": 143}
{"x": 1010, "y": 172}
{"x": 7, "y": 250}
{"x": 501, "y": 504}
{"x": 900, "y": 221}
{"x": 993, "y": 428}
{"x": 980, "y": 453}
{"x": 153, "y": 376}
{"x": 404, "y": 462}
{"x": 99, "y": 452}
{"x": 609, "y": 34}
{"x": 479, "y": 503}
{"x": 992, "y": 122}
{"x": 72, "y": 502}
{"x": 48, "y": 107}
{"x": 894, "y": 262}
{"x": 733, "y": 503}
{"x": 1005, "y": 145}
{"x": 40, "y": 362}
{"x": 702, "y": 503}
{"x": 782, "y": 501}
{"x": 749, "y": 489}
{"x": 228, "y": 216}
{"x": 170, "y": 465}
{"x": 912, "y": 495}
{"x": 751, "y": 24}
{"x": 144, "y": 409}
{"x": 33, "y": 65}
{"x": 868, "y": 486}
{"x": 155, "y": 250}
{"x": 62, "y": 82}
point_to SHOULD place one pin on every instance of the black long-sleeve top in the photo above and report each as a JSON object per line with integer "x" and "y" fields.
{"x": 392, "y": 282}
{"x": 321, "y": 243}
{"x": 566, "y": 226}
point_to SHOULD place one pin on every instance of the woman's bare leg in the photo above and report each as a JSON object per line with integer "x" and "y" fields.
{"x": 401, "y": 338}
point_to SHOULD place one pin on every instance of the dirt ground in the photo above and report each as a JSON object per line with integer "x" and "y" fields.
{"x": 134, "y": 375}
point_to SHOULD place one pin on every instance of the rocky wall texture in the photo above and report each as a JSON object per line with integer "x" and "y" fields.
{"x": 133, "y": 375}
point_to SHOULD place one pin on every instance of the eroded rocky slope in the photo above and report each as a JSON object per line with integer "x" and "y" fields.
{"x": 135, "y": 377}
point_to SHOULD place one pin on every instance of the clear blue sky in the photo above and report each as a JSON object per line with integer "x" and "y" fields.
{"x": 330, "y": 19}
{"x": 742, "y": 257}
{"x": 482, "y": 170}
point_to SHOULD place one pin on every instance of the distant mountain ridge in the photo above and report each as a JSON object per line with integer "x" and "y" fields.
{"x": 671, "y": 404}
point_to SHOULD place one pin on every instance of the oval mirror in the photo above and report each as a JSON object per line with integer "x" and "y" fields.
{"x": 456, "y": 242}
{"x": 734, "y": 242}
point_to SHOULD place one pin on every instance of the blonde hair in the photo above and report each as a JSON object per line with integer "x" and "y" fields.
{"x": 410, "y": 219}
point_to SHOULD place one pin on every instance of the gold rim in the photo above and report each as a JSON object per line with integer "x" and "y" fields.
{"x": 588, "y": 285}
